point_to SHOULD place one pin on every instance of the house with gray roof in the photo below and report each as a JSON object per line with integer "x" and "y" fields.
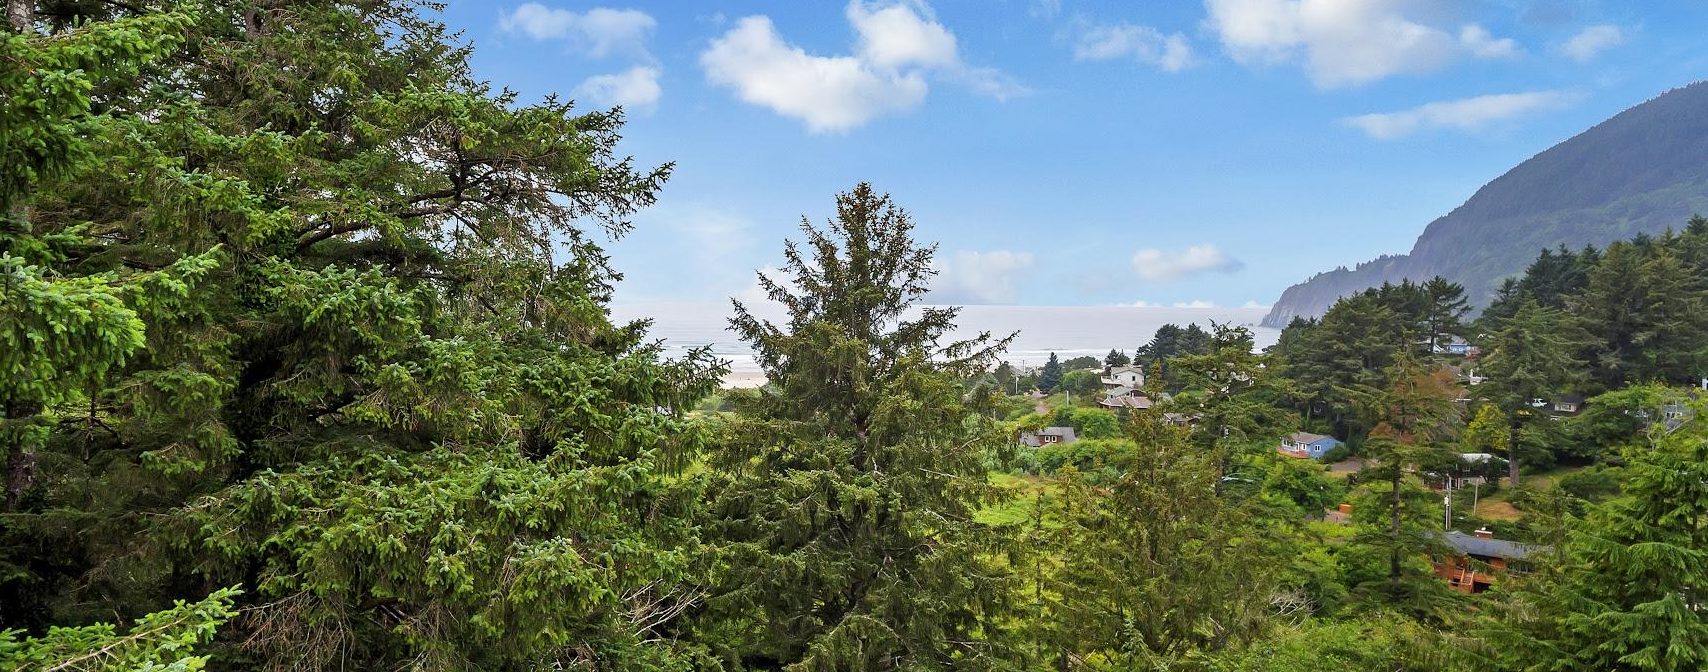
{"x": 1475, "y": 560}
{"x": 1305, "y": 445}
{"x": 1047, "y": 436}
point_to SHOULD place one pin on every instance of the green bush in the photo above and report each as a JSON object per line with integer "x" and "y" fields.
{"x": 1337, "y": 453}
{"x": 1090, "y": 456}
{"x": 1593, "y": 484}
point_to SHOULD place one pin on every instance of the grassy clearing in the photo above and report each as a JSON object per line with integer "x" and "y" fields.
{"x": 1017, "y": 510}
{"x": 1498, "y": 505}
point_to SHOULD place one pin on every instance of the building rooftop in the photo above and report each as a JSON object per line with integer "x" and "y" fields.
{"x": 1470, "y": 544}
{"x": 1032, "y": 439}
{"x": 1128, "y": 401}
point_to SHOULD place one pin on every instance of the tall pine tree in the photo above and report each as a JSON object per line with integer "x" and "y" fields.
{"x": 846, "y": 488}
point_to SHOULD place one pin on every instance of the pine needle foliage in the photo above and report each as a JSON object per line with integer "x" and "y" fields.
{"x": 846, "y": 488}
{"x": 1625, "y": 591}
{"x": 367, "y": 371}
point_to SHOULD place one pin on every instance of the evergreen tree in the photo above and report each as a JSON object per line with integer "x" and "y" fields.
{"x": 1507, "y": 298}
{"x": 1336, "y": 362}
{"x": 1626, "y": 589}
{"x": 1116, "y": 358}
{"x": 1233, "y": 396}
{"x": 1195, "y": 340}
{"x": 1401, "y": 524}
{"x": 1051, "y": 376}
{"x": 1160, "y": 566}
{"x": 1446, "y": 307}
{"x": 335, "y": 330}
{"x": 1645, "y": 311}
{"x": 1530, "y": 358}
{"x": 1165, "y": 343}
{"x": 846, "y": 489}
{"x": 1005, "y": 378}
{"x": 167, "y": 640}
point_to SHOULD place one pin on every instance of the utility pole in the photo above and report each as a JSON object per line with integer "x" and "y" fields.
{"x": 1447, "y": 508}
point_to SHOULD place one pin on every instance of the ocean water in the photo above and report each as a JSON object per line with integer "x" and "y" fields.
{"x": 1068, "y": 331}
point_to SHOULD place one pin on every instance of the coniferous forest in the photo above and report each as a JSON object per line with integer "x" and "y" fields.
{"x": 307, "y": 363}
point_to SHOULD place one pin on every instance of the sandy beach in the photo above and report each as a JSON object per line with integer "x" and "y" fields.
{"x": 744, "y": 379}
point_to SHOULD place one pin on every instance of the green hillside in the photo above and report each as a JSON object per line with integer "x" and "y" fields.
{"x": 1642, "y": 171}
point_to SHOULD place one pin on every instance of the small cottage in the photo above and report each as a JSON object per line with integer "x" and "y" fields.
{"x": 1047, "y": 436}
{"x": 1305, "y": 445}
{"x": 1473, "y": 561}
{"x": 1566, "y": 405}
{"x": 1448, "y": 344}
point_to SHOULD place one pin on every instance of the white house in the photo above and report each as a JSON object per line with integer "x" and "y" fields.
{"x": 1124, "y": 376}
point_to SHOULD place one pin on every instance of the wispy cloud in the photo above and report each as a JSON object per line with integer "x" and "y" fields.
{"x": 1591, "y": 41}
{"x": 599, "y": 32}
{"x": 635, "y": 89}
{"x": 1467, "y": 114}
{"x": 1348, "y": 42}
{"x": 1157, "y": 264}
{"x": 970, "y": 277}
{"x": 898, "y": 46}
{"x": 1199, "y": 304}
{"x": 1480, "y": 43}
{"x": 1147, "y": 45}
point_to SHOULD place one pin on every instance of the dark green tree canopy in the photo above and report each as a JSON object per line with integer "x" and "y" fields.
{"x": 846, "y": 490}
{"x": 334, "y": 321}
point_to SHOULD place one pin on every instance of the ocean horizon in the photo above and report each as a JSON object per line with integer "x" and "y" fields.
{"x": 1067, "y": 331}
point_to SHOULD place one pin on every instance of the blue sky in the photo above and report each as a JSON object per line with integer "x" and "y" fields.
{"x": 1080, "y": 153}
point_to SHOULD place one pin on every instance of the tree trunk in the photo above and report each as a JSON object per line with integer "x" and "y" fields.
{"x": 1394, "y": 529}
{"x": 20, "y": 462}
{"x": 20, "y": 459}
{"x": 20, "y": 14}
{"x": 1512, "y": 452}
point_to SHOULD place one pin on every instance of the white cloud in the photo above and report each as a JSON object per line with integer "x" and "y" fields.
{"x": 1591, "y": 41}
{"x": 635, "y": 89}
{"x": 1195, "y": 303}
{"x": 1155, "y": 264}
{"x": 828, "y": 93}
{"x": 600, "y": 31}
{"x": 1477, "y": 40}
{"x": 1344, "y": 42}
{"x": 896, "y": 36}
{"x": 991, "y": 82}
{"x": 1468, "y": 114}
{"x": 1253, "y": 304}
{"x": 898, "y": 45}
{"x": 980, "y": 277}
{"x": 1142, "y": 43}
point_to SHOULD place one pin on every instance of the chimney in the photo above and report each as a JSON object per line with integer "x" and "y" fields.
{"x": 1484, "y": 533}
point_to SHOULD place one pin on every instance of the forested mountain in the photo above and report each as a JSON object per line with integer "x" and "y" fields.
{"x": 1642, "y": 171}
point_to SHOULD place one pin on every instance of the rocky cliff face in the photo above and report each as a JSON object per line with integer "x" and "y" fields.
{"x": 1643, "y": 171}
